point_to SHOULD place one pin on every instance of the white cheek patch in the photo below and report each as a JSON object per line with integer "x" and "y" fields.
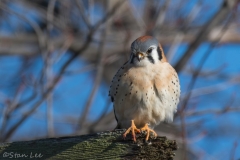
{"x": 154, "y": 54}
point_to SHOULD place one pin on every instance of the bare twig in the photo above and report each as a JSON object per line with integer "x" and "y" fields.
{"x": 89, "y": 67}
{"x": 218, "y": 17}
{"x": 137, "y": 16}
{"x": 62, "y": 71}
{"x": 48, "y": 66}
{"x": 233, "y": 151}
{"x": 34, "y": 25}
{"x": 211, "y": 89}
{"x": 208, "y": 73}
{"x": 103, "y": 114}
{"x": 201, "y": 64}
{"x": 183, "y": 134}
{"x": 192, "y": 83}
{"x": 162, "y": 12}
{"x": 97, "y": 79}
{"x": 212, "y": 111}
{"x": 57, "y": 22}
{"x": 179, "y": 37}
{"x": 9, "y": 109}
{"x": 81, "y": 10}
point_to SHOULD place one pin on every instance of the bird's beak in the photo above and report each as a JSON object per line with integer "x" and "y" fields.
{"x": 140, "y": 56}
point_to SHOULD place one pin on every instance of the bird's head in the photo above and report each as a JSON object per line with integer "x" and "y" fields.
{"x": 145, "y": 50}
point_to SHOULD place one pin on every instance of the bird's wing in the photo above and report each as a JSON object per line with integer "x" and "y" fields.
{"x": 115, "y": 81}
{"x": 114, "y": 85}
{"x": 112, "y": 90}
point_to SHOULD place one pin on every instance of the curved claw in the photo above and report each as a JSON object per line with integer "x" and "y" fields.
{"x": 134, "y": 129}
{"x": 146, "y": 128}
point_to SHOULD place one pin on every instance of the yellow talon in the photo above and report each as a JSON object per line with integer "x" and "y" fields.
{"x": 134, "y": 129}
{"x": 146, "y": 128}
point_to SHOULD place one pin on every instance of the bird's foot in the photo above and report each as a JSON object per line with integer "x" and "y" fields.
{"x": 148, "y": 130}
{"x": 134, "y": 129}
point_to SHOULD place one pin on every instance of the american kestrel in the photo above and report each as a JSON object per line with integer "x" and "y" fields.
{"x": 145, "y": 91}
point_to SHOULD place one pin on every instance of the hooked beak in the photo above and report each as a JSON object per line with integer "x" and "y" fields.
{"x": 140, "y": 56}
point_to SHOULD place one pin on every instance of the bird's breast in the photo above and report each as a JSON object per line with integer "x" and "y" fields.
{"x": 145, "y": 95}
{"x": 136, "y": 97}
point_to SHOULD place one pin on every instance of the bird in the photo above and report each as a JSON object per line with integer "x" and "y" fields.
{"x": 145, "y": 90}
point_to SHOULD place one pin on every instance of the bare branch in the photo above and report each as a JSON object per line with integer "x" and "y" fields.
{"x": 180, "y": 36}
{"x": 87, "y": 68}
{"x": 34, "y": 25}
{"x": 81, "y": 10}
{"x": 201, "y": 63}
{"x": 212, "y": 89}
{"x": 61, "y": 72}
{"x": 233, "y": 151}
{"x": 212, "y": 111}
{"x": 48, "y": 69}
{"x": 218, "y": 17}
{"x": 104, "y": 113}
{"x": 97, "y": 79}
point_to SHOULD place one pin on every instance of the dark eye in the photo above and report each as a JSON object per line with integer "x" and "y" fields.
{"x": 149, "y": 50}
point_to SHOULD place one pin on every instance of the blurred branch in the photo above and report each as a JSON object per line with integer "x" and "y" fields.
{"x": 109, "y": 14}
{"x": 183, "y": 61}
{"x": 162, "y": 13}
{"x": 233, "y": 151}
{"x": 183, "y": 135}
{"x": 201, "y": 36}
{"x": 207, "y": 73}
{"x": 190, "y": 87}
{"x": 10, "y": 108}
{"x": 212, "y": 111}
{"x": 103, "y": 114}
{"x": 136, "y": 15}
{"x": 26, "y": 44}
{"x": 201, "y": 64}
{"x": 174, "y": 46}
{"x": 225, "y": 109}
{"x": 62, "y": 71}
{"x": 212, "y": 89}
{"x": 50, "y": 15}
{"x": 84, "y": 17}
{"x": 48, "y": 68}
{"x": 87, "y": 68}
{"x": 156, "y": 17}
{"x": 57, "y": 22}
{"x": 98, "y": 78}
{"x": 34, "y": 25}
{"x": 180, "y": 36}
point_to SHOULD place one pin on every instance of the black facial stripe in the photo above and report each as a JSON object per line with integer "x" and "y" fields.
{"x": 159, "y": 53}
{"x": 133, "y": 56}
{"x": 150, "y": 58}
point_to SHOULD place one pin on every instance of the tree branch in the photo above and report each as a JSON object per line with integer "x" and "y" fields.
{"x": 61, "y": 72}
{"x": 104, "y": 145}
{"x": 201, "y": 36}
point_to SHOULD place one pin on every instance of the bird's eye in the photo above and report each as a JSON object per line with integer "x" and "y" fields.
{"x": 149, "y": 50}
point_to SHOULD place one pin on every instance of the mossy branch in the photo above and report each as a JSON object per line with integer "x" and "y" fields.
{"x": 104, "y": 145}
